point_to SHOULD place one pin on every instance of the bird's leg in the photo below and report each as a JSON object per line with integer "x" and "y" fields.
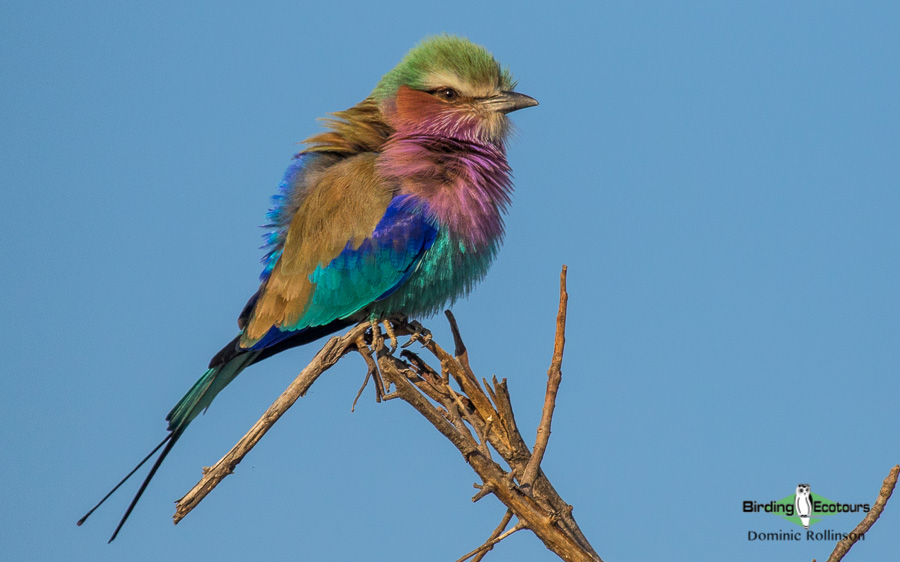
{"x": 389, "y": 330}
{"x": 420, "y": 334}
{"x": 377, "y": 337}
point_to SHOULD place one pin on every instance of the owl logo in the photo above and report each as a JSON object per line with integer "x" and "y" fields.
{"x": 803, "y": 504}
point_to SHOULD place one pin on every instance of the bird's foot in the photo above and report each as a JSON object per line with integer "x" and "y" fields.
{"x": 389, "y": 330}
{"x": 420, "y": 334}
{"x": 377, "y": 337}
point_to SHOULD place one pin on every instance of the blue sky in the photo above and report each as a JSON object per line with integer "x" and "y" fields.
{"x": 721, "y": 180}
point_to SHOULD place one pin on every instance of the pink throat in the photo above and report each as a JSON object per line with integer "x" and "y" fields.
{"x": 464, "y": 185}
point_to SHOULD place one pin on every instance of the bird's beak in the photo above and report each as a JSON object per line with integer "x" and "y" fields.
{"x": 506, "y": 102}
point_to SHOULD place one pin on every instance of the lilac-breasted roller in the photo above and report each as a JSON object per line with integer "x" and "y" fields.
{"x": 396, "y": 210}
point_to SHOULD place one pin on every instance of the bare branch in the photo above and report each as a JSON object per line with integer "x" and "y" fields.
{"x": 493, "y": 539}
{"x": 496, "y": 533}
{"x": 486, "y": 410}
{"x": 554, "y": 378}
{"x": 371, "y": 371}
{"x": 887, "y": 488}
{"x": 410, "y": 394}
{"x": 333, "y": 350}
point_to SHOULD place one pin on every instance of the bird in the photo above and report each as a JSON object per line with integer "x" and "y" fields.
{"x": 395, "y": 210}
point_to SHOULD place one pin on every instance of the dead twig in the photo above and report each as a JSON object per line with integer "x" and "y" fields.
{"x": 371, "y": 371}
{"x": 554, "y": 378}
{"x": 887, "y": 488}
{"x": 496, "y": 533}
{"x": 495, "y": 537}
{"x": 333, "y": 350}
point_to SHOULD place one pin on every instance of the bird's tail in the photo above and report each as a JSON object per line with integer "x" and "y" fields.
{"x": 201, "y": 395}
{"x": 197, "y": 399}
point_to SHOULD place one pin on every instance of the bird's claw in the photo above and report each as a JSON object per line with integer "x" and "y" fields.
{"x": 420, "y": 334}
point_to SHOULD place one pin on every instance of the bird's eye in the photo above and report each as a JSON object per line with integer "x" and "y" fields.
{"x": 447, "y": 94}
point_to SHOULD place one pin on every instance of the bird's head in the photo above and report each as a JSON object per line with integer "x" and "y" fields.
{"x": 448, "y": 86}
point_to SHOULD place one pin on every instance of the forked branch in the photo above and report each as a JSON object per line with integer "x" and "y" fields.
{"x": 474, "y": 417}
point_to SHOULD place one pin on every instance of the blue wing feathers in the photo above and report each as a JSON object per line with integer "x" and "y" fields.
{"x": 357, "y": 276}
{"x": 284, "y": 205}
